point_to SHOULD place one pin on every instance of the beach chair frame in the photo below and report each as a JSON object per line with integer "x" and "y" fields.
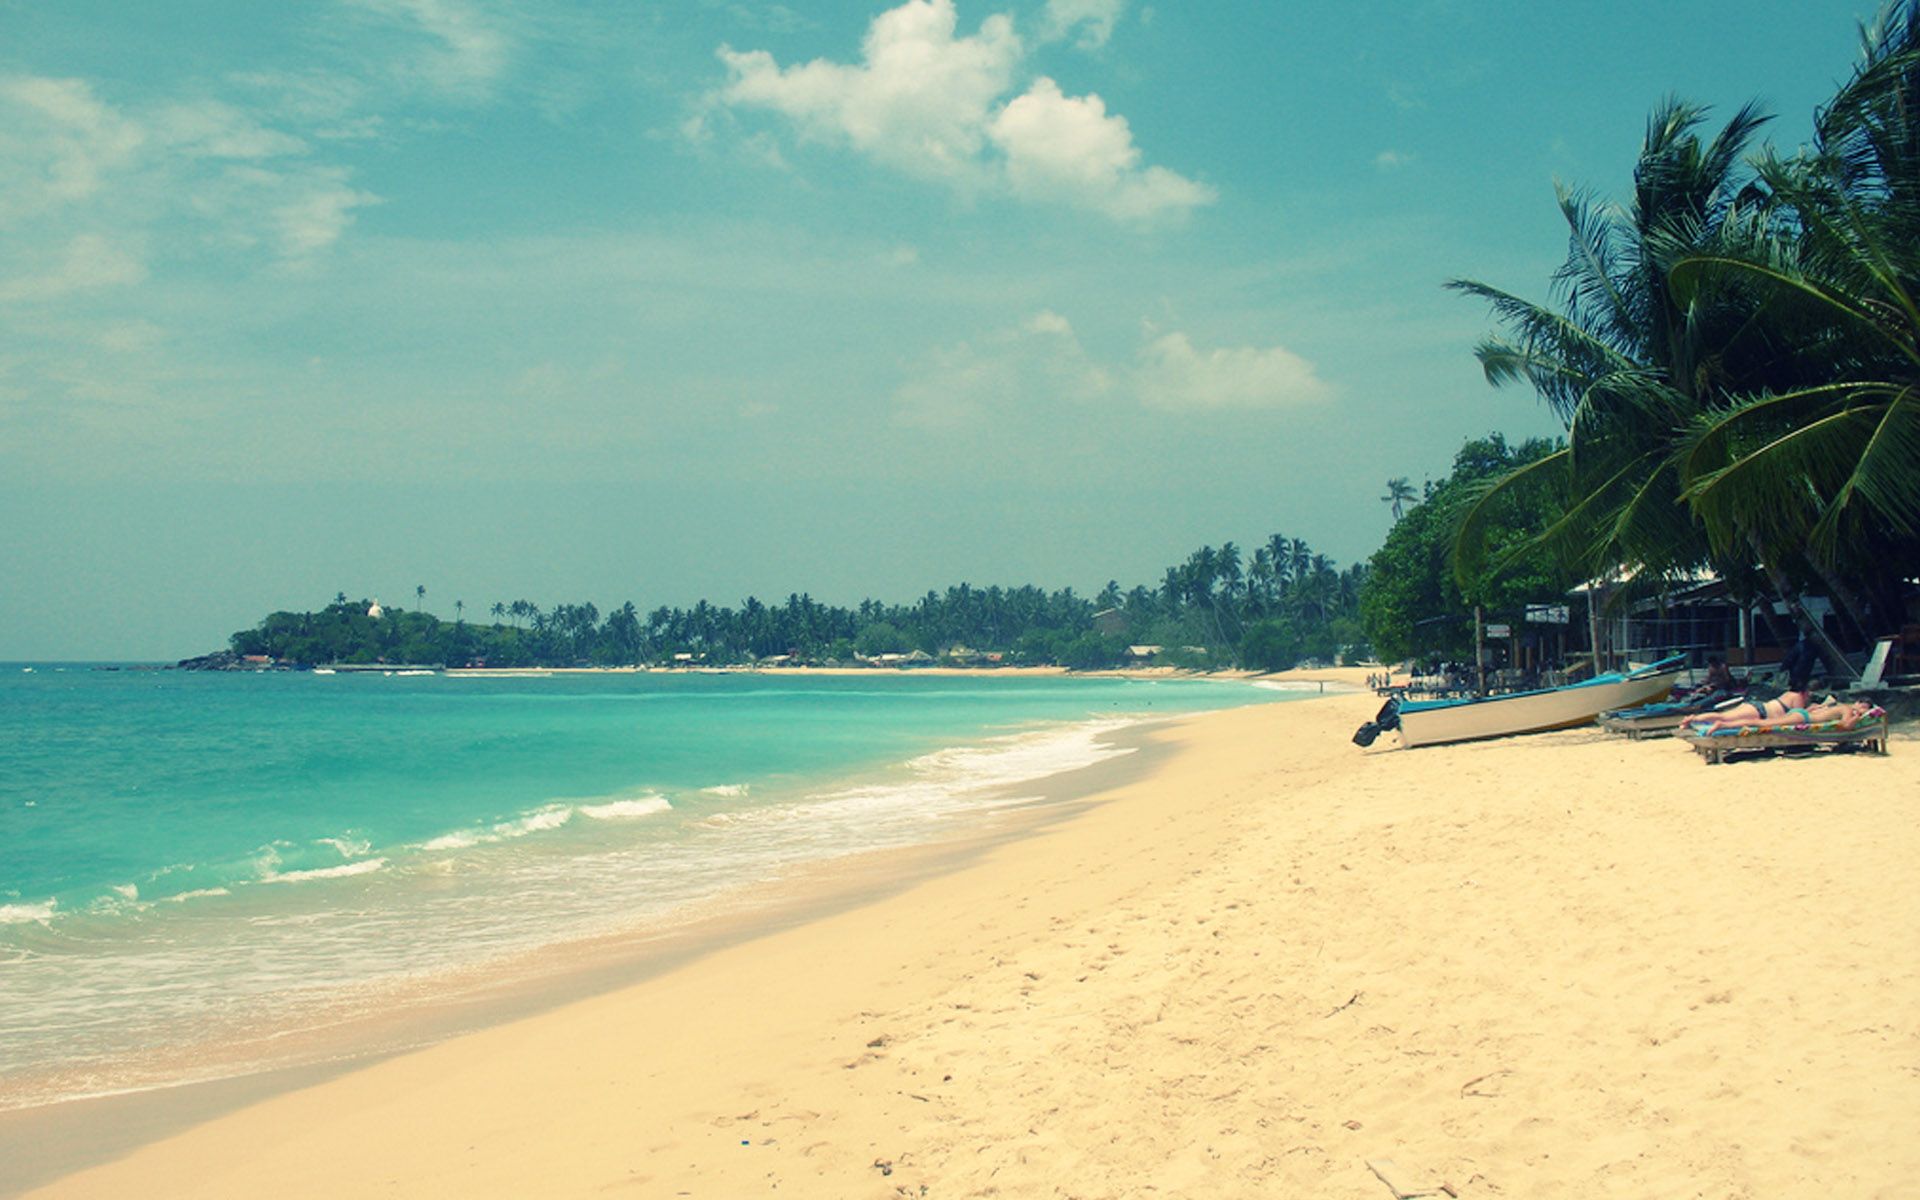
{"x": 1869, "y": 735}
{"x": 1635, "y": 728}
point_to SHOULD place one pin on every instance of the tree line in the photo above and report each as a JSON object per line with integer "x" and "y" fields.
{"x": 1221, "y": 607}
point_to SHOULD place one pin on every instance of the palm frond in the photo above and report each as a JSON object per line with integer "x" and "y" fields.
{"x": 1769, "y": 489}
{"x": 1588, "y": 279}
{"x": 1883, "y": 476}
{"x": 1711, "y": 442}
{"x": 1691, "y": 272}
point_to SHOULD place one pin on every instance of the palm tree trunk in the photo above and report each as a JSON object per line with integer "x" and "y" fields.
{"x": 1849, "y": 603}
{"x": 1807, "y": 624}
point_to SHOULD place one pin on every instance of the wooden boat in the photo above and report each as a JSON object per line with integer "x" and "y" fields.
{"x": 1435, "y": 722}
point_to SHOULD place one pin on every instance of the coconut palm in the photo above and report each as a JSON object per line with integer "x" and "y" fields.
{"x": 1399, "y": 491}
{"x": 1821, "y": 463}
{"x": 1624, "y": 361}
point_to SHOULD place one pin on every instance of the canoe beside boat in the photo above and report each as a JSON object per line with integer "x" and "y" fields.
{"x": 1435, "y": 722}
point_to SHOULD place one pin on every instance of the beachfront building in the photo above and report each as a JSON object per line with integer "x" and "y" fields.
{"x": 1700, "y": 616}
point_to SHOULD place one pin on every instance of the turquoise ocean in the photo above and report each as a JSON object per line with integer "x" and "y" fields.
{"x": 206, "y": 859}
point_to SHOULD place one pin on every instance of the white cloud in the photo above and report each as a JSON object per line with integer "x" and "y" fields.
{"x": 1094, "y": 19}
{"x": 466, "y": 49}
{"x": 58, "y": 144}
{"x": 86, "y": 179}
{"x": 1041, "y": 363}
{"x": 1048, "y": 321}
{"x": 1070, "y": 148}
{"x": 1390, "y": 160}
{"x": 1038, "y": 362}
{"x": 927, "y": 102}
{"x": 1171, "y": 373}
{"x": 89, "y": 262}
{"x": 918, "y": 101}
{"x": 316, "y": 215}
{"x": 212, "y": 129}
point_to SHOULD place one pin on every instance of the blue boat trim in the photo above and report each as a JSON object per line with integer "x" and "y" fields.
{"x": 1665, "y": 664}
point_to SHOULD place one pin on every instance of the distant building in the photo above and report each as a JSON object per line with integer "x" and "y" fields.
{"x": 374, "y": 610}
{"x": 1110, "y": 622}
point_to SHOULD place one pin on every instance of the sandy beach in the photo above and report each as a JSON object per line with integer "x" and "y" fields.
{"x": 1269, "y": 963}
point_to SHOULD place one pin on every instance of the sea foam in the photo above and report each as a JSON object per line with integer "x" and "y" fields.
{"x": 620, "y": 810}
{"x": 552, "y": 816}
{"x": 20, "y": 914}
{"x": 363, "y": 867}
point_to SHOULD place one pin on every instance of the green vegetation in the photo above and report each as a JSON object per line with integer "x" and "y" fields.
{"x": 1736, "y": 357}
{"x": 1217, "y": 609}
{"x": 1416, "y": 602}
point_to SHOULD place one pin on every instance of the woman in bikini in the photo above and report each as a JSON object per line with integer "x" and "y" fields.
{"x": 1789, "y": 716}
{"x": 1793, "y": 707}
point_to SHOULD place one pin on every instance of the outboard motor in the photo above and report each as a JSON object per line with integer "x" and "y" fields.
{"x": 1387, "y": 718}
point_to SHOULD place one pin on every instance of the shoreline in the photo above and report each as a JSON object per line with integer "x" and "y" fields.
{"x": 671, "y": 862}
{"x": 1554, "y": 965}
{"x": 43, "y": 1142}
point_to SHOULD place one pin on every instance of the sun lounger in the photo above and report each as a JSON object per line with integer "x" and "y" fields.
{"x": 1870, "y": 733}
{"x": 1642, "y": 726}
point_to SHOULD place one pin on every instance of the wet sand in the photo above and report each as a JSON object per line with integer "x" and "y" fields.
{"x": 1267, "y": 963}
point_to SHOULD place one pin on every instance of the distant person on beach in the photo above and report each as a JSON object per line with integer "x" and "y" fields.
{"x": 1719, "y": 678}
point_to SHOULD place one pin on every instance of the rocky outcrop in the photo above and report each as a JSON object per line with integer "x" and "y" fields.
{"x": 219, "y": 660}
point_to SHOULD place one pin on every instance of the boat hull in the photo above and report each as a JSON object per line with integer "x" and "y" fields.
{"x": 1436, "y": 723}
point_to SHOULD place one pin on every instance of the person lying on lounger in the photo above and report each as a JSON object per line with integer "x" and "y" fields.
{"x": 1791, "y": 706}
{"x": 1828, "y": 710}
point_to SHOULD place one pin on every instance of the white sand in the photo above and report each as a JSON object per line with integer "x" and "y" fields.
{"x": 1565, "y": 965}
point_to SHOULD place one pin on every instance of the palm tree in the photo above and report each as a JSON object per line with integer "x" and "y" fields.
{"x": 1299, "y": 559}
{"x": 1399, "y": 491}
{"x": 1624, "y": 361}
{"x": 1819, "y": 465}
{"x": 419, "y": 596}
{"x": 1261, "y": 581}
{"x": 1278, "y": 554}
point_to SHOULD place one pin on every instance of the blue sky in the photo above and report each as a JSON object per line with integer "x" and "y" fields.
{"x": 648, "y": 301}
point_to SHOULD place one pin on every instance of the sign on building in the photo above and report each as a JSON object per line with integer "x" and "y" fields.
{"x": 1547, "y": 614}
